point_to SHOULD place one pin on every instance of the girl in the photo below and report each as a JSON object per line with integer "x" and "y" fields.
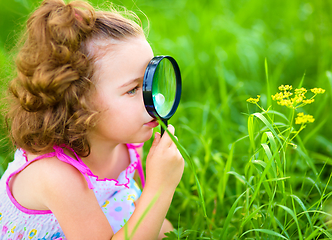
{"x": 77, "y": 110}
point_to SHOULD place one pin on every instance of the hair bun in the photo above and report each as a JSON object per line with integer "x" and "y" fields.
{"x": 51, "y": 60}
{"x": 68, "y": 25}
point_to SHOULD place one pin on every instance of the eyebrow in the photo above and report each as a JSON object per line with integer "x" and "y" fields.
{"x": 131, "y": 82}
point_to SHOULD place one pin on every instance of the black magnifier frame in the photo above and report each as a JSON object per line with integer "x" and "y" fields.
{"x": 148, "y": 88}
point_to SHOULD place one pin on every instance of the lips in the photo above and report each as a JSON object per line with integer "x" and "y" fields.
{"x": 152, "y": 123}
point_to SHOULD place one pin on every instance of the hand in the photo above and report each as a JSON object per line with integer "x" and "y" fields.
{"x": 164, "y": 164}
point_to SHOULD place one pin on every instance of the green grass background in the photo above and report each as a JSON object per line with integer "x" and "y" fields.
{"x": 221, "y": 46}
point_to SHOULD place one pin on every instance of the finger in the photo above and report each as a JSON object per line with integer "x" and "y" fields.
{"x": 173, "y": 143}
{"x": 166, "y": 139}
{"x": 155, "y": 143}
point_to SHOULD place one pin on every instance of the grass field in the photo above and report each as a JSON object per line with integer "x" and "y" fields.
{"x": 262, "y": 175}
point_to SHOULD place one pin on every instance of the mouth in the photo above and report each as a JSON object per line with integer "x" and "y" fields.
{"x": 152, "y": 123}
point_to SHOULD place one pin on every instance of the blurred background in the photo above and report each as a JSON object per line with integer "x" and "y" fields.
{"x": 221, "y": 47}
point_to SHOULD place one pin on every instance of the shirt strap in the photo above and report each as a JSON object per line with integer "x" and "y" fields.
{"x": 139, "y": 162}
{"x": 78, "y": 164}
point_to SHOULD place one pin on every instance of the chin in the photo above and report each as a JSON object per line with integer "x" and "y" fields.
{"x": 142, "y": 137}
{"x": 148, "y": 135}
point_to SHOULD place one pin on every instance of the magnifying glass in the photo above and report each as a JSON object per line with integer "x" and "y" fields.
{"x": 162, "y": 88}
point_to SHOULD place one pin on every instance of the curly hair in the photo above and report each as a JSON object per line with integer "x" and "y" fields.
{"x": 49, "y": 98}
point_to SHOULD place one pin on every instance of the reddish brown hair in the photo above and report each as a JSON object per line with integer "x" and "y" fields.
{"x": 50, "y": 95}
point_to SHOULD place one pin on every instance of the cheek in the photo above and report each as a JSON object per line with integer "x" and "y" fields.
{"x": 121, "y": 113}
{"x": 135, "y": 104}
{"x": 125, "y": 112}
{"x": 99, "y": 103}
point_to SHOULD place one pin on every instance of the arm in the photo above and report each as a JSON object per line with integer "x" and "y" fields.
{"x": 164, "y": 169}
{"x": 81, "y": 217}
{"x": 167, "y": 225}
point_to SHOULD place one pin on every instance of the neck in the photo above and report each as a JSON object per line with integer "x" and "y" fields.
{"x": 100, "y": 155}
{"x": 106, "y": 160}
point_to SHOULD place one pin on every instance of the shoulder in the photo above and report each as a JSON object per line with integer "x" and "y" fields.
{"x": 47, "y": 178}
{"x": 52, "y": 169}
{"x": 58, "y": 177}
{"x": 63, "y": 189}
{"x": 61, "y": 182}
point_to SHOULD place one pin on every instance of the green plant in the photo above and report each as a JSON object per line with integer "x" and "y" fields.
{"x": 275, "y": 188}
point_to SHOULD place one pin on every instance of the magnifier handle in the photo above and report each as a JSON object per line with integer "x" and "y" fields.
{"x": 161, "y": 128}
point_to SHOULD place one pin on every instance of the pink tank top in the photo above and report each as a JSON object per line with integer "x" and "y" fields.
{"x": 116, "y": 198}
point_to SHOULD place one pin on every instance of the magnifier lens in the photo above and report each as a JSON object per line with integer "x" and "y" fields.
{"x": 164, "y": 87}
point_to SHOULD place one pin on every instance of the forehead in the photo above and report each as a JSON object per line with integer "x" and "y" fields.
{"x": 120, "y": 58}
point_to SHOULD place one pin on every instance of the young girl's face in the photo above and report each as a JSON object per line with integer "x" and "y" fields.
{"x": 118, "y": 78}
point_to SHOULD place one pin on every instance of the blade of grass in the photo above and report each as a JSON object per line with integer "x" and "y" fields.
{"x": 266, "y": 231}
{"x": 314, "y": 233}
{"x": 288, "y": 210}
{"x": 262, "y": 178}
{"x": 146, "y": 211}
{"x": 251, "y": 130}
{"x": 280, "y": 115}
{"x": 186, "y": 156}
{"x": 301, "y": 82}
{"x": 302, "y": 150}
{"x": 270, "y": 157}
{"x": 229, "y": 217}
{"x": 281, "y": 226}
{"x": 241, "y": 179}
{"x": 321, "y": 229}
{"x": 225, "y": 176}
{"x": 251, "y": 215}
{"x": 298, "y": 200}
{"x": 268, "y": 124}
{"x": 268, "y": 90}
{"x": 278, "y": 160}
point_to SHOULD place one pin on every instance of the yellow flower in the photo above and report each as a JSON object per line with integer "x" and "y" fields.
{"x": 278, "y": 96}
{"x": 308, "y": 101}
{"x": 254, "y": 100}
{"x": 304, "y": 118}
{"x": 287, "y": 94}
{"x": 297, "y": 99}
{"x": 300, "y": 91}
{"x": 285, "y": 102}
{"x": 284, "y": 98}
{"x": 285, "y": 87}
{"x": 318, "y": 90}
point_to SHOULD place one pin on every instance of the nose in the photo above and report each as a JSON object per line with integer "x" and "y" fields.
{"x": 146, "y": 113}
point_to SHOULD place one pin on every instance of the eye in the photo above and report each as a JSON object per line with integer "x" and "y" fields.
{"x": 133, "y": 91}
